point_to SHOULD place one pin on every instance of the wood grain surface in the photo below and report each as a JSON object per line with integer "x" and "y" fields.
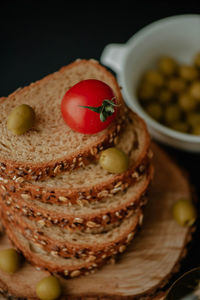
{"x": 148, "y": 263}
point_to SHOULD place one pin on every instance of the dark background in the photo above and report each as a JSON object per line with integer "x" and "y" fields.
{"x": 38, "y": 37}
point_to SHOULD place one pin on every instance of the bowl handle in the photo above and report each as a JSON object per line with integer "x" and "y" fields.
{"x": 113, "y": 55}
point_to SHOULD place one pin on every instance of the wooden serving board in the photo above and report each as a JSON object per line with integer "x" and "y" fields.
{"x": 150, "y": 260}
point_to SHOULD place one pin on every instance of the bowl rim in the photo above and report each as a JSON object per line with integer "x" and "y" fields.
{"x": 149, "y": 28}
{"x": 131, "y": 43}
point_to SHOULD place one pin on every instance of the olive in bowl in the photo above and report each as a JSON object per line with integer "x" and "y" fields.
{"x": 170, "y": 94}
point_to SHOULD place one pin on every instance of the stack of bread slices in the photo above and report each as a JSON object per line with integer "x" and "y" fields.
{"x": 60, "y": 208}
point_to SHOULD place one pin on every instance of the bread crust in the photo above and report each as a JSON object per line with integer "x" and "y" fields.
{"x": 41, "y": 215}
{"x": 83, "y": 268}
{"x": 32, "y": 171}
{"x": 69, "y": 249}
{"x": 152, "y": 293}
{"x": 63, "y": 196}
{"x": 15, "y": 210}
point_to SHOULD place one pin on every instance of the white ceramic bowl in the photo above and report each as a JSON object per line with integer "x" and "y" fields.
{"x": 177, "y": 36}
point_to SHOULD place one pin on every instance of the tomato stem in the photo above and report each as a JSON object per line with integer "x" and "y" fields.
{"x": 105, "y": 110}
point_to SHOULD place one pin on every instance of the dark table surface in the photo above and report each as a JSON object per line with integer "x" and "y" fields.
{"x": 38, "y": 37}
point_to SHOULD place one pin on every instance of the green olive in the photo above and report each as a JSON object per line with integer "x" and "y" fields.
{"x": 146, "y": 91}
{"x": 154, "y": 78}
{"x": 154, "y": 110}
{"x": 172, "y": 114}
{"x": 188, "y": 73}
{"x": 165, "y": 96}
{"x": 193, "y": 119}
{"x": 186, "y": 102}
{"x": 21, "y": 119}
{"x": 180, "y": 126}
{"x": 196, "y": 129}
{"x": 114, "y": 160}
{"x": 167, "y": 65}
{"x": 194, "y": 90}
{"x": 48, "y": 288}
{"x": 9, "y": 260}
{"x": 184, "y": 212}
{"x": 197, "y": 60}
{"x": 176, "y": 85}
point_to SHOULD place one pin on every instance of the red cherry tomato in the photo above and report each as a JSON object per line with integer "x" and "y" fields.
{"x": 90, "y": 93}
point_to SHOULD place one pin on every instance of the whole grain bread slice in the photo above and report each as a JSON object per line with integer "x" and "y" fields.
{"x": 93, "y": 217}
{"x": 51, "y": 146}
{"x": 72, "y": 267}
{"x": 91, "y": 182}
{"x": 62, "y": 242}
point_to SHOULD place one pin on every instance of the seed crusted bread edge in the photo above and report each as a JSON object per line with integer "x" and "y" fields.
{"x": 71, "y": 271}
{"x": 44, "y": 217}
{"x": 69, "y": 249}
{"x": 153, "y": 293}
{"x": 81, "y": 196}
